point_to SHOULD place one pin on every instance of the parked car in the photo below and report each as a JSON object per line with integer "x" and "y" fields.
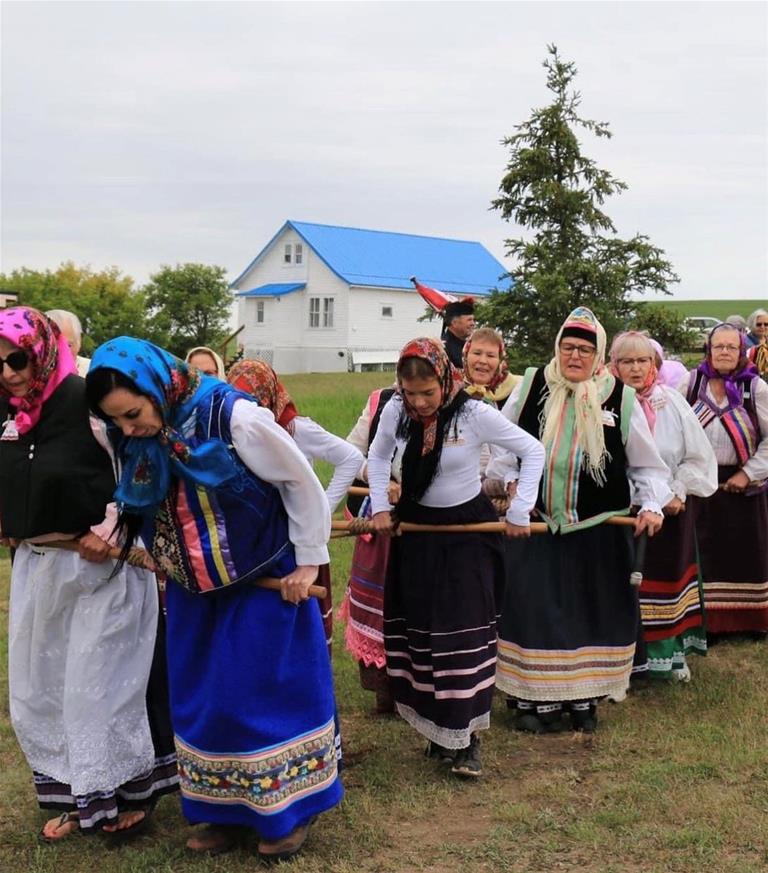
{"x": 699, "y": 327}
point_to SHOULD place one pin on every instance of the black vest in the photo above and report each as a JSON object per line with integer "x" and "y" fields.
{"x": 55, "y": 478}
{"x": 454, "y": 348}
{"x": 592, "y": 499}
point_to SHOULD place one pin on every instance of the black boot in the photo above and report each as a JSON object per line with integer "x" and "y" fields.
{"x": 467, "y": 761}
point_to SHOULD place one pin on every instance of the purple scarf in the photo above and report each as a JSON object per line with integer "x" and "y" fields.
{"x": 734, "y": 381}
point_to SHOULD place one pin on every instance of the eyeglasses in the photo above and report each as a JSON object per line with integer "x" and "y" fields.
{"x": 582, "y": 351}
{"x": 725, "y": 348}
{"x": 16, "y": 360}
{"x": 761, "y": 324}
{"x": 630, "y": 362}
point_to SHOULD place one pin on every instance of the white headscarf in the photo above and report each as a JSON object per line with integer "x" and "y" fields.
{"x": 588, "y": 396}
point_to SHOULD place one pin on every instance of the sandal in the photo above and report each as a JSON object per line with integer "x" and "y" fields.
{"x": 281, "y": 850}
{"x": 133, "y": 829}
{"x": 66, "y": 818}
{"x": 213, "y": 840}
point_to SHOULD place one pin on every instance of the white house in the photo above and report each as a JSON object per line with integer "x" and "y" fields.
{"x": 319, "y": 298}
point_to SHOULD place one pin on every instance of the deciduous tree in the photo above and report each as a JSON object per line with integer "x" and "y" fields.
{"x": 189, "y": 305}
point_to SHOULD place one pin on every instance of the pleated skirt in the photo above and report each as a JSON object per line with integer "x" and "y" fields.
{"x": 570, "y": 617}
{"x": 440, "y": 618}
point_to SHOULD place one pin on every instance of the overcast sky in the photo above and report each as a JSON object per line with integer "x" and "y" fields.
{"x": 138, "y": 134}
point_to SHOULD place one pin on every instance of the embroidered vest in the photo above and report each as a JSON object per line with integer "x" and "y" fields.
{"x": 569, "y": 498}
{"x": 209, "y": 539}
{"x": 740, "y": 422}
{"x": 55, "y": 478}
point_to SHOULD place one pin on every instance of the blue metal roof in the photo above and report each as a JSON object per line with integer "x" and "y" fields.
{"x": 276, "y": 289}
{"x": 382, "y": 259}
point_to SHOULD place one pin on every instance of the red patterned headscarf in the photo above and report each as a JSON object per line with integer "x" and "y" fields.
{"x": 431, "y": 351}
{"x": 49, "y": 355}
{"x": 258, "y": 379}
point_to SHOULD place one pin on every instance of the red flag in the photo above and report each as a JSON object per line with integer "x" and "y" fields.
{"x": 436, "y": 299}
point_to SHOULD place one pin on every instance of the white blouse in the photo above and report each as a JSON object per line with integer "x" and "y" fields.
{"x": 757, "y": 466}
{"x": 683, "y": 445}
{"x": 647, "y": 473}
{"x": 359, "y": 437}
{"x": 458, "y": 476}
{"x": 317, "y": 444}
{"x": 269, "y": 452}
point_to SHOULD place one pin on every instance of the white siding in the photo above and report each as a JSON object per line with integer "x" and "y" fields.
{"x": 285, "y": 338}
{"x": 369, "y": 330}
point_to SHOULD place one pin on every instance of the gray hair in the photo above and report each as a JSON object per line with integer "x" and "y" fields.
{"x": 753, "y": 318}
{"x": 64, "y": 315}
{"x": 737, "y": 321}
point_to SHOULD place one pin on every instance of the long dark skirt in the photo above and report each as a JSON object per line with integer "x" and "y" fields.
{"x": 570, "y": 618}
{"x": 733, "y": 549}
{"x": 670, "y": 596}
{"x": 440, "y": 623}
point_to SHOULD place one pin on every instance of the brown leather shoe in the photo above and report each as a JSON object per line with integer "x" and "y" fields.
{"x": 213, "y": 840}
{"x": 287, "y": 847}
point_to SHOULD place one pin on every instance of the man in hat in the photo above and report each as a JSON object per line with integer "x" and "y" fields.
{"x": 458, "y": 324}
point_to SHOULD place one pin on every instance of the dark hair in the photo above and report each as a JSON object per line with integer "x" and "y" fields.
{"x": 98, "y": 384}
{"x": 415, "y": 368}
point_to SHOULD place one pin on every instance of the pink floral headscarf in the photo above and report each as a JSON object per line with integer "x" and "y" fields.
{"x": 50, "y": 356}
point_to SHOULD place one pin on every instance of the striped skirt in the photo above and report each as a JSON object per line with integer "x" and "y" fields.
{"x": 670, "y": 597}
{"x": 733, "y": 550}
{"x": 363, "y": 607}
{"x": 440, "y": 623}
{"x": 570, "y": 617}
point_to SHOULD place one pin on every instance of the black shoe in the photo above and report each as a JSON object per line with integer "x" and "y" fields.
{"x": 584, "y": 720}
{"x": 467, "y": 761}
{"x": 533, "y": 723}
{"x": 439, "y": 753}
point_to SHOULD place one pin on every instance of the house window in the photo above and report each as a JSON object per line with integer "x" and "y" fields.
{"x": 318, "y": 305}
{"x": 328, "y": 312}
{"x": 387, "y": 312}
{"x": 298, "y": 253}
{"x": 259, "y": 312}
{"x": 287, "y": 253}
{"x": 314, "y": 312}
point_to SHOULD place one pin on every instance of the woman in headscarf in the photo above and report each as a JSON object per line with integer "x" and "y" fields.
{"x": 362, "y": 609}
{"x": 486, "y": 375}
{"x": 670, "y": 599}
{"x": 259, "y": 380}
{"x": 668, "y": 371}
{"x": 81, "y": 632}
{"x": 208, "y": 361}
{"x": 731, "y": 402}
{"x": 440, "y": 597}
{"x": 225, "y": 497}
{"x": 570, "y": 618}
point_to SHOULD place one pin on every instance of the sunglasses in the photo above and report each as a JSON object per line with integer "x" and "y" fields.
{"x": 16, "y": 360}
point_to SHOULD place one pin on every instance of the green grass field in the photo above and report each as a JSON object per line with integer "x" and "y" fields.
{"x": 715, "y": 308}
{"x": 674, "y": 781}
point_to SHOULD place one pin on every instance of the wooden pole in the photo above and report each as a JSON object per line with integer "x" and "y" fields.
{"x": 359, "y": 526}
{"x": 141, "y": 558}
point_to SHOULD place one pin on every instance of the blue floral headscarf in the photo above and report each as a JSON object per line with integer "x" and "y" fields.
{"x": 176, "y": 390}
